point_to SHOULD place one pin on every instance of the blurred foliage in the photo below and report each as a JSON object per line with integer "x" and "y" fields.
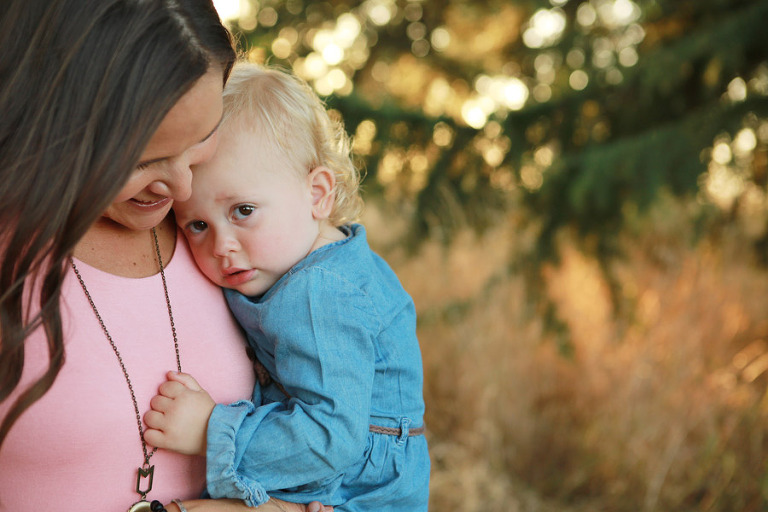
{"x": 571, "y": 114}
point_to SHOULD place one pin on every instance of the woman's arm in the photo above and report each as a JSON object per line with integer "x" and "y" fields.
{"x": 273, "y": 505}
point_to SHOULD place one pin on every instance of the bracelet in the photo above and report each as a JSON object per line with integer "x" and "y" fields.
{"x": 179, "y": 504}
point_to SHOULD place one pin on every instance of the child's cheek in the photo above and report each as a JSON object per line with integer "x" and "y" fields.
{"x": 205, "y": 261}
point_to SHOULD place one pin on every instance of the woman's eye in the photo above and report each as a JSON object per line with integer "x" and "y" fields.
{"x": 243, "y": 210}
{"x": 197, "y": 226}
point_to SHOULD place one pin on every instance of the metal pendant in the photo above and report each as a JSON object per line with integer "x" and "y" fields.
{"x": 146, "y": 472}
{"x": 140, "y": 506}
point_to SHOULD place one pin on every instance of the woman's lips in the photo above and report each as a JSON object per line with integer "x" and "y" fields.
{"x": 238, "y": 277}
{"x": 151, "y": 205}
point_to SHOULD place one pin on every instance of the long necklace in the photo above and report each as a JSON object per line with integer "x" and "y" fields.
{"x": 145, "y": 471}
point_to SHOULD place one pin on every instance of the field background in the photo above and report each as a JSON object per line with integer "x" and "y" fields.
{"x": 575, "y": 193}
{"x": 662, "y": 409}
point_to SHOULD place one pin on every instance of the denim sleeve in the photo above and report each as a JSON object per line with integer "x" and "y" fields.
{"x": 324, "y": 358}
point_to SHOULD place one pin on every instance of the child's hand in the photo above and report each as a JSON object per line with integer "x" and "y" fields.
{"x": 178, "y": 420}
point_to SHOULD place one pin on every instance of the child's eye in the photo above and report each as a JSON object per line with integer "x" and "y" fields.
{"x": 243, "y": 210}
{"x": 197, "y": 226}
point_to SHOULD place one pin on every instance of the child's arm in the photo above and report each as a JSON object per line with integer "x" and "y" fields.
{"x": 325, "y": 360}
{"x": 178, "y": 420}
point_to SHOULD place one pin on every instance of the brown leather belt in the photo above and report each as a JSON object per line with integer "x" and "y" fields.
{"x": 396, "y": 431}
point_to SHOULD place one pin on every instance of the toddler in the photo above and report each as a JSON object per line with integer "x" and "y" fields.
{"x": 338, "y": 416}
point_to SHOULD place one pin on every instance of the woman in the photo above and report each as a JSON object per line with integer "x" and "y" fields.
{"x": 104, "y": 106}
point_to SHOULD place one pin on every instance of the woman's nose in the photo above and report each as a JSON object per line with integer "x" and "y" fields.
{"x": 175, "y": 182}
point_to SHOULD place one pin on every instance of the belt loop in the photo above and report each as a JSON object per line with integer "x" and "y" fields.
{"x": 404, "y": 425}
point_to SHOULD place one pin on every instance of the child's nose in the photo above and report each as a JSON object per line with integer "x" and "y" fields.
{"x": 225, "y": 244}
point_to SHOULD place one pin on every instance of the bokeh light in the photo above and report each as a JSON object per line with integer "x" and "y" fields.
{"x": 578, "y": 80}
{"x": 545, "y": 28}
{"x": 379, "y": 12}
{"x": 228, "y": 9}
{"x": 440, "y": 38}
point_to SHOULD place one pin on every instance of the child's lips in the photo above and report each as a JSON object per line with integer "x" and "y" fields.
{"x": 236, "y": 277}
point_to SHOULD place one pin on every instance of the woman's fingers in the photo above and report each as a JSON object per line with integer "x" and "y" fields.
{"x": 316, "y": 506}
{"x": 285, "y": 506}
{"x": 273, "y": 505}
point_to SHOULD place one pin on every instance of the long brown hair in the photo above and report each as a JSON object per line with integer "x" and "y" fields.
{"x": 83, "y": 86}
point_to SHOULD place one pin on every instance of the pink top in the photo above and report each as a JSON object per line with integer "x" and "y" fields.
{"x": 78, "y": 447}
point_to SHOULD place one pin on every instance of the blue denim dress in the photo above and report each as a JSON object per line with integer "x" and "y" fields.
{"x": 338, "y": 332}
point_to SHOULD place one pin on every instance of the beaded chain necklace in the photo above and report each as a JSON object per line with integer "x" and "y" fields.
{"x": 145, "y": 471}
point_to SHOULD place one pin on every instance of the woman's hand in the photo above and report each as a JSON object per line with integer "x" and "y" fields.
{"x": 273, "y": 505}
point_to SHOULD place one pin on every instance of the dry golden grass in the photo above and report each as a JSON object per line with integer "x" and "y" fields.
{"x": 660, "y": 408}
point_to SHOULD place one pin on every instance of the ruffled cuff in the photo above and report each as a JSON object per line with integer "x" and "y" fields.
{"x": 223, "y": 456}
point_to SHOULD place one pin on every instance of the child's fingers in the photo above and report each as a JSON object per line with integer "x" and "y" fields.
{"x": 154, "y": 437}
{"x": 161, "y": 403}
{"x": 172, "y": 388}
{"x": 154, "y": 420}
{"x": 185, "y": 379}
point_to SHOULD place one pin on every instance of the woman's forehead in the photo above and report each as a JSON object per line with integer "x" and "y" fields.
{"x": 190, "y": 121}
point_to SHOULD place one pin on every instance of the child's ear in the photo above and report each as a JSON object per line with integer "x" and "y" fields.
{"x": 322, "y": 185}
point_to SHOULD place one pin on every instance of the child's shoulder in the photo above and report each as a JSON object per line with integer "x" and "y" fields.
{"x": 356, "y": 263}
{"x": 347, "y": 257}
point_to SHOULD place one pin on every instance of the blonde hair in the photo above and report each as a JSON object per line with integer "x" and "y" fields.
{"x": 283, "y": 107}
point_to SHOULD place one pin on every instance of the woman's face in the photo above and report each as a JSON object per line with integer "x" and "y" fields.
{"x": 185, "y": 137}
